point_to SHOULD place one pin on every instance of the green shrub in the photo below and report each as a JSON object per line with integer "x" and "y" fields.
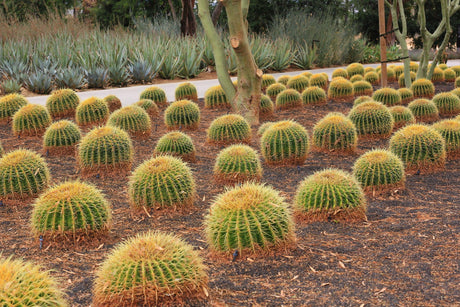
{"x": 182, "y": 114}
{"x": 274, "y": 89}
{"x": 215, "y": 98}
{"x": 314, "y": 95}
{"x": 287, "y": 99}
{"x": 31, "y": 120}
{"x": 298, "y": 83}
{"x": 267, "y": 80}
{"x": 388, "y": 96}
{"x": 339, "y": 72}
{"x": 402, "y": 79}
{"x": 424, "y": 110}
{"x": 450, "y": 131}
{"x": 91, "y": 112}
{"x": 356, "y": 78}
{"x": 362, "y": 88}
{"x": 372, "y": 77}
{"x": 132, "y": 119}
{"x": 266, "y": 107}
{"x": 62, "y": 103}
{"x": 402, "y": 116}
{"x": 155, "y": 94}
{"x": 372, "y": 120}
{"x": 237, "y": 163}
{"x": 9, "y": 104}
{"x": 318, "y": 80}
{"x": 406, "y": 95}
{"x": 229, "y": 129}
{"x": 283, "y": 79}
{"x": 176, "y": 143}
{"x": 150, "y": 107}
{"x": 449, "y": 75}
{"x": 438, "y": 75}
{"x": 448, "y": 104}
{"x": 184, "y": 91}
{"x": 61, "y": 138}
{"x": 340, "y": 90}
{"x": 113, "y": 102}
{"x": 355, "y": 69}
{"x": 335, "y": 133}
{"x": 422, "y": 88}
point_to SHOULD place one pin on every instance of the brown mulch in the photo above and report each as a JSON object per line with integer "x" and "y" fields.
{"x": 406, "y": 254}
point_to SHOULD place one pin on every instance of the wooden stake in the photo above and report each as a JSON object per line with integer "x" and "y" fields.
{"x": 383, "y": 46}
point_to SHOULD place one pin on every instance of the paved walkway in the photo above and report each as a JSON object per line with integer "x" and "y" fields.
{"x": 129, "y": 95}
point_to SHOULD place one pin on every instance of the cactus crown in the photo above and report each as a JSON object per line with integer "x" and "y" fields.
{"x": 413, "y": 66}
{"x": 424, "y": 110}
{"x": 314, "y": 95}
{"x": 450, "y": 131}
{"x": 335, "y": 132}
{"x": 340, "y": 90}
{"x": 288, "y": 98}
{"x": 449, "y": 75}
{"x": 319, "y": 80}
{"x": 340, "y": 72}
{"x": 263, "y": 128}
{"x": 447, "y": 103}
{"x": 149, "y": 106}
{"x": 267, "y": 80}
{"x": 31, "y": 120}
{"x": 9, "y": 104}
{"x": 361, "y": 99}
{"x": 92, "y": 111}
{"x": 182, "y": 114}
{"x": 398, "y": 71}
{"x": 187, "y": 91}
{"x": 62, "y": 103}
{"x": 387, "y": 96}
{"x": 113, "y": 102}
{"x": 356, "y": 78}
{"x": 237, "y": 163}
{"x": 438, "y": 75}
{"x": 402, "y": 116}
{"x": 402, "y": 79}
{"x": 422, "y": 88}
{"x": 156, "y": 94}
{"x": 61, "y": 137}
{"x": 266, "y": 107}
{"x": 215, "y": 98}
{"x": 132, "y": 119}
{"x": 355, "y": 69}
{"x": 176, "y": 143}
{"x": 372, "y": 119}
{"x": 229, "y": 129}
{"x": 274, "y": 89}
{"x": 406, "y": 95}
{"x": 362, "y": 88}
{"x": 298, "y": 83}
{"x": 283, "y": 79}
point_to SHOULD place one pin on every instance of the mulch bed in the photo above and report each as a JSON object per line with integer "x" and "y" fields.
{"x": 406, "y": 254}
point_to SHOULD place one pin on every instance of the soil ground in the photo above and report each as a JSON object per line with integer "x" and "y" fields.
{"x": 406, "y": 254}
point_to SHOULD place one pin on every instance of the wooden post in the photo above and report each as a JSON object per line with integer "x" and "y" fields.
{"x": 383, "y": 45}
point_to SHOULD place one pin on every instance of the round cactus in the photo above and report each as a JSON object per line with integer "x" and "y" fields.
{"x": 314, "y": 95}
{"x": 285, "y": 142}
{"x": 132, "y": 119}
{"x": 176, "y": 143}
{"x": 251, "y": 218}
{"x": 443, "y": 66}
{"x": 450, "y": 131}
{"x": 422, "y": 88}
{"x": 263, "y": 128}
{"x": 456, "y": 91}
{"x": 298, "y": 83}
{"x": 26, "y": 284}
{"x": 355, "y": 69}
{"x": 23, "y": 174}
{"x": 319, "y": 80}
{"x": 391, "y": 75}
{"x": 92, "y": 112}
{"x": 187, "y": 91}
{"x": 402, "y": 116}
{"x": 237, "y": 163}
{"x": 283, "y": 79}
{"x": 105, "y": 150}
{"x": 379, "y": 170}
{"x": 448, "y": 104}
{"x": 388, "y": 96}
{"x": 150, "y": 107}
{"x": 340, "y": 90}
{"x": 330, "y": 194}
{"x": 398, "y": 70}
{"x": 356, "y": 78}
{"x": 288, "y": 98}
{"x": 438, "y": 75}
{"x": 2, "y": 151}
{"x": 307, "y": 74}
{"x": 406, "y": 95}
{"x": 361, "y": 99}
{"x": 267, "y": 80}
{"x": 62, "y": 103}
{"x": 61, "y": 138}
{"x": 335, "y": 133}
{"x": 456, "y": 69}
{"x": 402, "y": 79}
{"x": 362, "y": 88}
{"x": 274, "y": 89}
{"x": 151, "y": 269}
{"x": 229, "y": 129}
{"x": 71, "y": 208}
{"x": 457, "y": 82}
{"x": 215, "y": 98}
{"x": 449, "y": 75}
{"x": 424, "y": 110}
{"x": 156, "y": 94}
{"x": 413, "y": 66}
{"x": 31, "y": 120}
{"x": 161, "y": 182}
{"x": 266, "y": 107}
{"x": 182, "y": 114}
{"x": 9, "y": 104}
{"x": 372, "y": 77}
{"x": 113, "y": 102}
{"x": 372, "y": 120}
{"x": 419, "y": 147}
{"x": 340, "y": 72}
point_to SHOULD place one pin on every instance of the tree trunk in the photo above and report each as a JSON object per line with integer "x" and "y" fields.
{"x": 173, "y": 11}
{"x": 216, "y": 13}
{"x": 188, "y": 22}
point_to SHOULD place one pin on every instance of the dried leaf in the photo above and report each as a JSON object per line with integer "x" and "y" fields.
{"x": 324, "y": 284}
{"x": 342, "y": 265}
{"x": 313, "y": 270}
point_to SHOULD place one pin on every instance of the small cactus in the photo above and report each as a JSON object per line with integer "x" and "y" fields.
{"x": 391, "y": 75}
{"x": 62, "y": 103}
{"x": 2, "y": 151}
{"x": 182, "y": 114}
{"x": 71, "y": 208}
{"x": 413, "y": 66}
{"x": 362, "y": 88}
{"x": 448, "y": 104}
{"x": 369, "y": 69}
{"x": 449, "y": 75}
{"x": 443, "y": 66}
{"x": 450, "y": 131}
{"x": 186, "y": 91}
{"x": 285, "y": 142}
{"x": 105, "y": 150}
{"x": 267, "y": 80}
{"x": 340, "y": 90}
{"x": 263, "y": 128}
{"x": 113, "y": 103}
{"x": 156, "y": 94}
{"x": 266, "y": 107}
{"x": 307, "y": 74}
{"x": 251, "y": 218}
{"x": 335, "y": 133}
{"x": 361, "y": 99}
{"x": 23, "y": 174}
{"x": 283, "y": 79}
{"x": 402, "y": 79}
{"x": 406, "y": 95}
{"x": 92, "y": 112}
{"x": 9, "y": 104}
{"x": 161, "y": 182}
{"x": 457, "y": 82}
{"x": 372, "y": 77}
{"x": 438, "y": 75}
{"x": 422, "y": 88}
{"x": 151, "y": 269}
{"x": 330, "y": 194}
{"x": 314, "y": 95}
{"x": 402, "y": 116}
{"x": 150, "y": 107}
{"x": 372, "y": 120}
{"x": 237, "y": 163}
{"x": 229, "y": 129}
{"x": 298, "y": 83}
{"x": 456, "y": 91}
{"x": 26, "y": 284}
{"x": 178, "y": 144}
{"x": 420, "y": 147}
{"x": 456, "y": 69}
{"x": 355, "y": 69}
{"x": 132, "y": 119}
{"x": 399, "y": 70}
{"x": 424, "y": 110}
{"x": 340, "y": 72}
{"x": 356, "y": 78}
{"x": 215, "y": 98}
{"x": 61, "y": 138}
{"x": 318, "y": 80}
{"x": 31, "y": 120}
{"x": 388, "y": 96}
{"x": 274, "y": 89}
{"x": 287, "y": 99}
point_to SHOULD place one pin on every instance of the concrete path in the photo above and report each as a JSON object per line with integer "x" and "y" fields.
{"x": 129, "y": 95}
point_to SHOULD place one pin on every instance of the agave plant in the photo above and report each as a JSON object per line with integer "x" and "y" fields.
{"x": 39, "y": 82}
{"x": 45, "y": 65}
{"x": 208, "y": 54}
{"x": 304, "y": 56}
{"x": 283, "y": 56}
{"x": 71, "y": 77}
{"x": 262, "y": 50}
{"x": 11, "y": 86}
{"x": 96, "y": 77}
{"x": 14, "y": 69}
{"x": 191, "y": 60}
{"x": 171, "y": 61}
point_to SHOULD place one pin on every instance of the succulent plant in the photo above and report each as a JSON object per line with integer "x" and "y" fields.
{"x": 23, "y": 174}
{"x": 151, "y": 269}
{"x": 71, "y": 208}
{"x": 26, "y": 284}
{"x": 402, "y": 79}
{"x": 379, "y": 170}
{"x": 132, "y": 119}
{"x": 362, "y": 88}
{"x": 388, "y": 96}
{"x": 420, "y": 148}
{"x": 372, "y": 120}
{"x": 438, "y": 75}
{"x": 318, "y": 80}
{"x": 402, "y": 116}
{"x": 361, "y": 99}
{"x": 113, "y": 103}
{"x": 91, "y": 112}
{"x": 156, "y": 94}
{"x": 10, "y": 86}
{"x": 263, "y": 128}
{"x": 178, "y": 144}
{"x": 355, "y": 69}
{"x": 9, "y": 104}
{"x": 2, "y": 151}
{"x": 413, "y": 66}
{"x": 39, "y": 82}
{"x": 215, "y": 98}
{"x": 266, "y": 107}
{"x": 449, "y": 75}
{"x": 424, "y": 110}
{"x": 182, "y": 114}
{"x": 330, "y": 194}
{"x": 448, "y": 104}
{"x": 161, "y": 182}
{"x": 287, "y": 99}
{"x": 340, "y": 90}
{"x": 450, "y": 131}
{"x": 457, "y": 82}
{"x": 307, "y": 74}
{"x": 369, "y": 69}
{"x": 443, "y": 66}
{"x": 274, "y": 89}
{"x": 406, "y": 95}
{"x": 105, "y": 150}
{"x": 229, "y": 129}
{"x": 391, "y": 75}
{"x": 314, "y": 95}
{"x": 237, "y": 163}
{"x": 335, "y": 133}
{"x": 187, "y": 91}
{"x": 251, "y": 218}
{"x": 456, "y": 69}
{"x": 340, "y": 72}
{"x": 372, "y": 77}
{"x": 356, "y": 78}
{"x": 285, "y": 142}
{"x": 456, "y": 91}
{"x": 283, "y": 79}
{"x": 298, "y": 83}
{"x": 399, "y": 70}
{"x": 267, "y": 80}
{"x": 61, "y": 138}
{"x": 62, "y": 103}
{"x": 31, "y": 120}
{"x": 422, "y": 88}
{"x": 150, "y": 107}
